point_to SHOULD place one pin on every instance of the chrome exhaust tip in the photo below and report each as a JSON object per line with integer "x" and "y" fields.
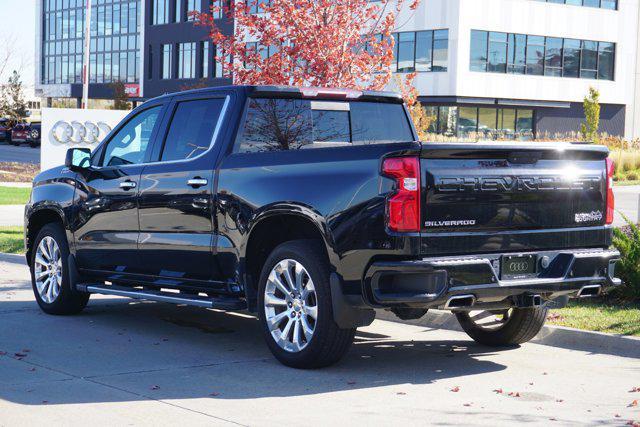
{"x": 459, "y": 301}
{"x": 589, "y": 291}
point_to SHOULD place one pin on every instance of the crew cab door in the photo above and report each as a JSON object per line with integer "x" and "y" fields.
{"x": 106, "y": 233}
{"x": 176, "y": 192}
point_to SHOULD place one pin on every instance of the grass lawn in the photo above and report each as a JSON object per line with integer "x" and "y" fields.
{"x": 598, "y": 316}
{"x": 14, "y": 195}
{"x": 11, "y": 240}
{"x": 623, "y": 183}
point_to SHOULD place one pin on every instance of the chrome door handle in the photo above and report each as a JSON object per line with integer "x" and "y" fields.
{"x": 127, "y": 185}
{"x": 197, "y": 182}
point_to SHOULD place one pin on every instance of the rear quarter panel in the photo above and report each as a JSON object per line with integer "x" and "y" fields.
{"x": 340, "y": 189}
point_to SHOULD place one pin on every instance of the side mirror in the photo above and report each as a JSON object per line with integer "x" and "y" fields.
{"x": 78, "y": 159}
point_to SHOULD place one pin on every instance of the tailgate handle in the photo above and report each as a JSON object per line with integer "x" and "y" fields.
{"x": 524, "y": 158}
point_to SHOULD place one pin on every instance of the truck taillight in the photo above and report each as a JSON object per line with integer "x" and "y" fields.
{"x": 610, "y": 198}
{"x": 403, "y": 207}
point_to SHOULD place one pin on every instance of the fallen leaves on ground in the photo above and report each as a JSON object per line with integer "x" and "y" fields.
{"x": 214, "y": 394}
{"x": 635, "y": 390}
{"x": 455, "y": 389}
{"x": 555, "y": 317}
{"x": 514, "y": 394}
{"x": 633, "y": 404}
{"x": 498, "y": 391}
{"x": 155, "y": 387}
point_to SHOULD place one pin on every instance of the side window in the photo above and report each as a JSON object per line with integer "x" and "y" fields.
{"x": 192, "y": 128}
{"x": 130, "y": 144}
{"x": 277, "y": 124}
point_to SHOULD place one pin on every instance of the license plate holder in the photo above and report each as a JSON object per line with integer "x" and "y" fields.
{"x": 518, "y": 266}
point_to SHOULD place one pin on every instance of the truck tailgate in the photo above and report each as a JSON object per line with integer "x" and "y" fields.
{"x": 494, "y": 189}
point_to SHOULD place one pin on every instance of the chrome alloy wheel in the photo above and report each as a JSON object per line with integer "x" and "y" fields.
{"x": 48, "y": 269}
{"x": 490, "y": 320}
{"x": 290, "y": 305}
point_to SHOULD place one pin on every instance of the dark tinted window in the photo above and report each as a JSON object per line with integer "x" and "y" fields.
{"x": 331, "y": 126}
{"x": 192, "y": 127}
{"x": 289, "y": 124}
{"x": 277, "y": 124}
{"x": 374, "y": 122}
{"x": 131, "y": 142}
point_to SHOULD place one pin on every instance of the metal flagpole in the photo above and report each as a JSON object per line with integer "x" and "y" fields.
{"x": 87, "y": 47}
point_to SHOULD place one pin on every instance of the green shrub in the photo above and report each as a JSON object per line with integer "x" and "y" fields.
{"x": 632, "y": 176}
{"x": 627, "y": 241}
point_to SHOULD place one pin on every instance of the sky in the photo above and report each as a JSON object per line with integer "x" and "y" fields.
{"x": 18, "y": 25}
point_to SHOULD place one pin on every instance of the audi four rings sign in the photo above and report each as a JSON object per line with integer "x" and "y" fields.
{"x": 63, "y": 128}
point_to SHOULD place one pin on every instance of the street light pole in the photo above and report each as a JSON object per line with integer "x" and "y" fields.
{"x": 87, "y": 47}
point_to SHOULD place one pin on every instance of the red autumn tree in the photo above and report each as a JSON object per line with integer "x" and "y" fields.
{"x": 324, "y": 43}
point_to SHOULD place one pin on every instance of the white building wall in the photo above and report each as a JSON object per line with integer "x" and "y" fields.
{"x": 533, "y": 18}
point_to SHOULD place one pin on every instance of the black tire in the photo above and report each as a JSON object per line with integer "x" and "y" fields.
{"x": 329, "y": 342}
{"x": 68, "y": 301}
{"x": 523, "y": 325}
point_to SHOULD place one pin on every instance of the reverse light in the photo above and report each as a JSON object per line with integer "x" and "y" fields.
{"x": 610, "y": 197}
{"x": 403, "y": 207}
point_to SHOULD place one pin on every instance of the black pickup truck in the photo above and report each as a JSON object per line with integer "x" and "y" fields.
{"x": 313, "y": 207}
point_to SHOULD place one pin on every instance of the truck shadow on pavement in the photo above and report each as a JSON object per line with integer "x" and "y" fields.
{"x": 118, "y": 350}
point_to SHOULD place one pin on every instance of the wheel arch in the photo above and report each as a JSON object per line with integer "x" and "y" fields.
{"x": 37, "y": 219}
{"x": 273, "y": 228}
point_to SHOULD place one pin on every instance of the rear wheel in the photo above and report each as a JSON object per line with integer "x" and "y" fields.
{"x": 503, "y": 327}
{"x": 296, "y": 309}
{"x": 50, "y": 273}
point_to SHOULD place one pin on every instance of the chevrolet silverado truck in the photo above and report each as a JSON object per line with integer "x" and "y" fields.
{"x": 313, "y": 208}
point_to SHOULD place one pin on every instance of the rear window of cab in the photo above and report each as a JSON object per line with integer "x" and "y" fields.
{"x": 273, "y": 124}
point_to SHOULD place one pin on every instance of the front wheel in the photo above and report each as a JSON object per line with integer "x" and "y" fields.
{"x": 503, "y": 328}
{"x": 50, "y": 273}
{"x": 296, "y": 308}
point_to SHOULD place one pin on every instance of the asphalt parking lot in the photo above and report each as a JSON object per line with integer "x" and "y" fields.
{"x": 124, "y": 362}
{"x": 22, "y": 153}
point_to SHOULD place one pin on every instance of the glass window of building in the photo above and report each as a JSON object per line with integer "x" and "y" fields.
{"x": 539, "y": 55}
{"x": 603, "y": 4}
{"x": 605, "y": 60}
{"x": 571, "y": 56}
{"x": 589, "y": 62}
{"x": 553, "y": 57}
{"x": 440, "y": 50}
{"x": 406, "y": 52}
{"x": 63, "y": 41}
{"x": 481, "y": 123}
{"x": 479, "y": 45}
{"x": 497, "y": 52}
{"x": 467, "y": 121}
{"x": 421, "y": 51}
{"x": 193, "y": 6}
{"x": 160, "y": 12}
{"x": 535, "y": 55}
{"x": 424, "y": 50}
{"x": 187, "y": 60}
{"x": 205, "y": 55}
{"x": 516, "y": 53}
{"x": 167, "y": 61}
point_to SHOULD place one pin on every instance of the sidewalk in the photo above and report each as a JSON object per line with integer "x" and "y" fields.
{"x": 15, "y": 184}
{"x": 11, "y": 215}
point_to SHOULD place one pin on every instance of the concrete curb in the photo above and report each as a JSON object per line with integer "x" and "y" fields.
{"x": 553, "y": 336}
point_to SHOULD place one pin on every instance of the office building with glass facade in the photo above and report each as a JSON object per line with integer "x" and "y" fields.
{"x": 489, "y": 69}
{"x": 519, "y": 69}
{"x": 152, "y": 46}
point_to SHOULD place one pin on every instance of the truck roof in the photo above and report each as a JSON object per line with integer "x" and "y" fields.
{"x": 299, "y": 92}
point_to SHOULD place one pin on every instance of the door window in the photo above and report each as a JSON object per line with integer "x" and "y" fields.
{"x": 130, "y": 144}
{"x": 192, "y": 129}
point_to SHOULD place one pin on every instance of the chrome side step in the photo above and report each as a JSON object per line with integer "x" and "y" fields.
{"x": 230, "y": 304}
